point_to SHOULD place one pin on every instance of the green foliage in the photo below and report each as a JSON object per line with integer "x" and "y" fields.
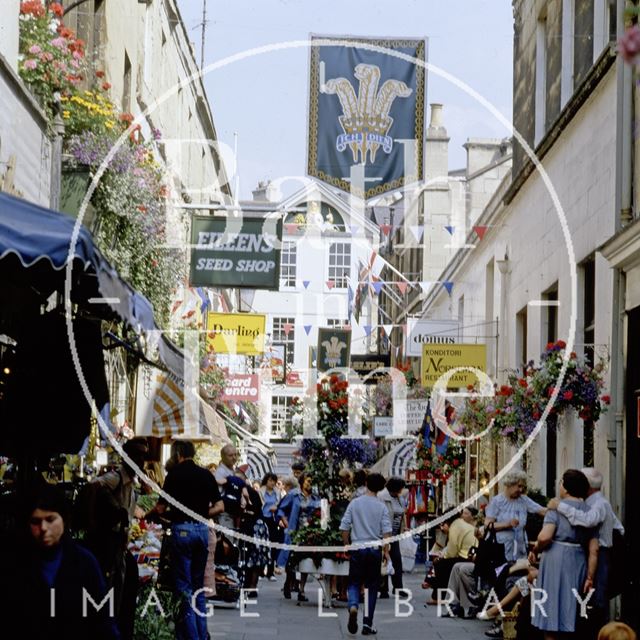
{"x": 153, "y": 625}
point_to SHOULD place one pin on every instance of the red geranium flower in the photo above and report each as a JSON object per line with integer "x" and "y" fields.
{"x": 561, "y": 343}
{"x": 106, "y": 86}
{"x": 57, "y": 9}
{"x": 606, "y": 399}
{"x": 567, "y": 395}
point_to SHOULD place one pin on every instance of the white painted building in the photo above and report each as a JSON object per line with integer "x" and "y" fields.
{"x": 25, "y": 143}
{"x": 323, "y": 242}
{"x": 538, "y": 273}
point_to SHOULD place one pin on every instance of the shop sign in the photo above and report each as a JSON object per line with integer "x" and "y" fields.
{"x": 416, "y": 410}
{"x": 421, "y": 332}
{"x": 334, "y": 347}
{"x": 229, "y": 252}
{"x": 241, "y": 388}
{"x": 437, "y": 359}
{"x": 366, "y": 365}
{"x": 239, "y": 333}
{"x": 382, "y": 426}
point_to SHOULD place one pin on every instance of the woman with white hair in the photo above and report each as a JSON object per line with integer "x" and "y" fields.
{"x": 508, "y": 513}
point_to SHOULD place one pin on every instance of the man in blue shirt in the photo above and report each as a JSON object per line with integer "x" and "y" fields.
{"x": 366, "y": 520}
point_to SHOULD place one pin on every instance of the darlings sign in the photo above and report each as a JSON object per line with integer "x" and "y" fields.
{"x": 239, "y": 333}
{"x": 230, "y": 252}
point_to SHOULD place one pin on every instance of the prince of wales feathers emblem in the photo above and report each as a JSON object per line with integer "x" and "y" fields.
{"x": 366, "y": 120}
{"x": 334, "y": 348}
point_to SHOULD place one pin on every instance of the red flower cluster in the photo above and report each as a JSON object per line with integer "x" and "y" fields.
{"x": 33, "y": 8}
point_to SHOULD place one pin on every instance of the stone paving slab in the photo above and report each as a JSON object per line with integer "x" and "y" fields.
{"x": 285, "y": 620}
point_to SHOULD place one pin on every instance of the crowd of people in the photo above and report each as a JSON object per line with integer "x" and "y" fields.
{"x": 557, "y": 584}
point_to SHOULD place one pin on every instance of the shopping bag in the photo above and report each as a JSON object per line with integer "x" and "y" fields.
{"x": 408, "y": 548}
{"x": 489, "y": 556}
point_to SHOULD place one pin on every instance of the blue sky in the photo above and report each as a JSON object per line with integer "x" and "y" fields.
{"x": 264, "y": 98}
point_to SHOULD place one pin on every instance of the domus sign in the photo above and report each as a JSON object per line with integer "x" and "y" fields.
{"x": 237, "y": 252}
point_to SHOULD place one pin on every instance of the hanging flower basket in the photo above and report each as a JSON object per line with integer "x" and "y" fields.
{"x": 518, "y": 405}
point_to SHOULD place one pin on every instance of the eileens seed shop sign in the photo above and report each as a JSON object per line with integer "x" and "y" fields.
{"x": 238, "y": 252}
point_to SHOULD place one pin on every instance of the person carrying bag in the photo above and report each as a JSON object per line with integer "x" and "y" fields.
{"x": 489, "y": 556}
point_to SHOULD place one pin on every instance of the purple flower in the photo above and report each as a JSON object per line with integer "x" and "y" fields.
{"x": 629, "y": 45}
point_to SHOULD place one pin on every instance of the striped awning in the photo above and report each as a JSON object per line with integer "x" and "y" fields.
{"x": 260, "y": 456}
{"x": 397, "y": 461}
{"x": 170, "y": 414}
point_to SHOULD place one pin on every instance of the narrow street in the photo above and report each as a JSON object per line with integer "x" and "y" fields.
{"x": 285, "y": 620}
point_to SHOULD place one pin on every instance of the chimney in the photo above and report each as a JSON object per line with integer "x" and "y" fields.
{"x": 436, "y": 146}
{"x": 266, "y": 191}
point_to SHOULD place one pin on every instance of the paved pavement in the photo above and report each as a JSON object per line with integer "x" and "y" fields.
{"x": 282, "y": 619}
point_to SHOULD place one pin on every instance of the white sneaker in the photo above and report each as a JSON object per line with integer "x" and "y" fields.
{"x": 273, "y": 579}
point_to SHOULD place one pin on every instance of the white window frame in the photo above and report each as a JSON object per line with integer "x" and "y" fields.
{"x": 280, "y": 337}
{"x": 541, "y": 79}
{"x": 280, "y": 415}
{"x": 339, "y": 274}
{"x": 566, "y": 72}
{"x": 289, "y": 264}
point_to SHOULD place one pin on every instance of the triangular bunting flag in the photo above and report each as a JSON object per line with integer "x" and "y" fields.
{"x": 417, "y": 232}
{"x": 402, "y": 287}
{"x": 307, "y": 328}
{"x": 448, "y": 286}
{"x": 291, "y": 228}
{"x": 425, "y": 286}
{"x": 354, "y": 229}
{"x": 377, "y": 287}
{"x": 331, "y": 284}
{"x": 480, "y": 230}
{"x": 450, "y": 229}
{"x": 306, "y": 283}
{"x": 385, "y": 228}
{"x": 368, "y": 329}
{"x": 388, "y": 328}
{"x": 287, "y": 326}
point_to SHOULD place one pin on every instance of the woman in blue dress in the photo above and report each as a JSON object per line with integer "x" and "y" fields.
{"x": 566, "y": 569}
{"x": 302, "y": 507}
{"x": 508, "y": 511}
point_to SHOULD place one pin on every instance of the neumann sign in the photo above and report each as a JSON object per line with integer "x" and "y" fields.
{"x": 235, "y": 252}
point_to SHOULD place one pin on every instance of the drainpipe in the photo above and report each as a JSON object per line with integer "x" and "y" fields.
{"x": 56, "y": 161}
{"x": 624, "y": 215}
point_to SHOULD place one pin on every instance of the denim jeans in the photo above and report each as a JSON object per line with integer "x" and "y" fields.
{"x": 364, "y": 570}
{"x": 189, "y": 549}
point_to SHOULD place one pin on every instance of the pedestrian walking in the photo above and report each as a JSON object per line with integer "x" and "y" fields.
{"x": 114, "y": 505}
{"x": 366, "y": 520}
{"x": 194, "y": 488}
{"x": 270, "y": 499}
{"x": 508, "y": 511}
{"x": 564, "y": 568}
{"x": 391, "y": 496}
{"x": 47, "y": 571}
{"x": 600, "y": 514}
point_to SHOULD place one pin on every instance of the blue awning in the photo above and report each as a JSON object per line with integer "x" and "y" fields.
{"x": 38, "y": 237}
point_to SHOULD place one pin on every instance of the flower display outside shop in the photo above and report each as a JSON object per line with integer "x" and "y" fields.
{"x": 130, "y": 198}
{"x": 435, "y": 467}
{"x": 51, "y": 56}
{"x": 518, "y": 405}
{"x": 315, "y": 535}
{"x": 334, "y": 449}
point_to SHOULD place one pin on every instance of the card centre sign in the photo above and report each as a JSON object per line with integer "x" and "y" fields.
{"x": 242, "y": 252}
{"x": 437, "y": 359}
{"x": 241, "y": 388}
{"x": 239, "y": 333}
